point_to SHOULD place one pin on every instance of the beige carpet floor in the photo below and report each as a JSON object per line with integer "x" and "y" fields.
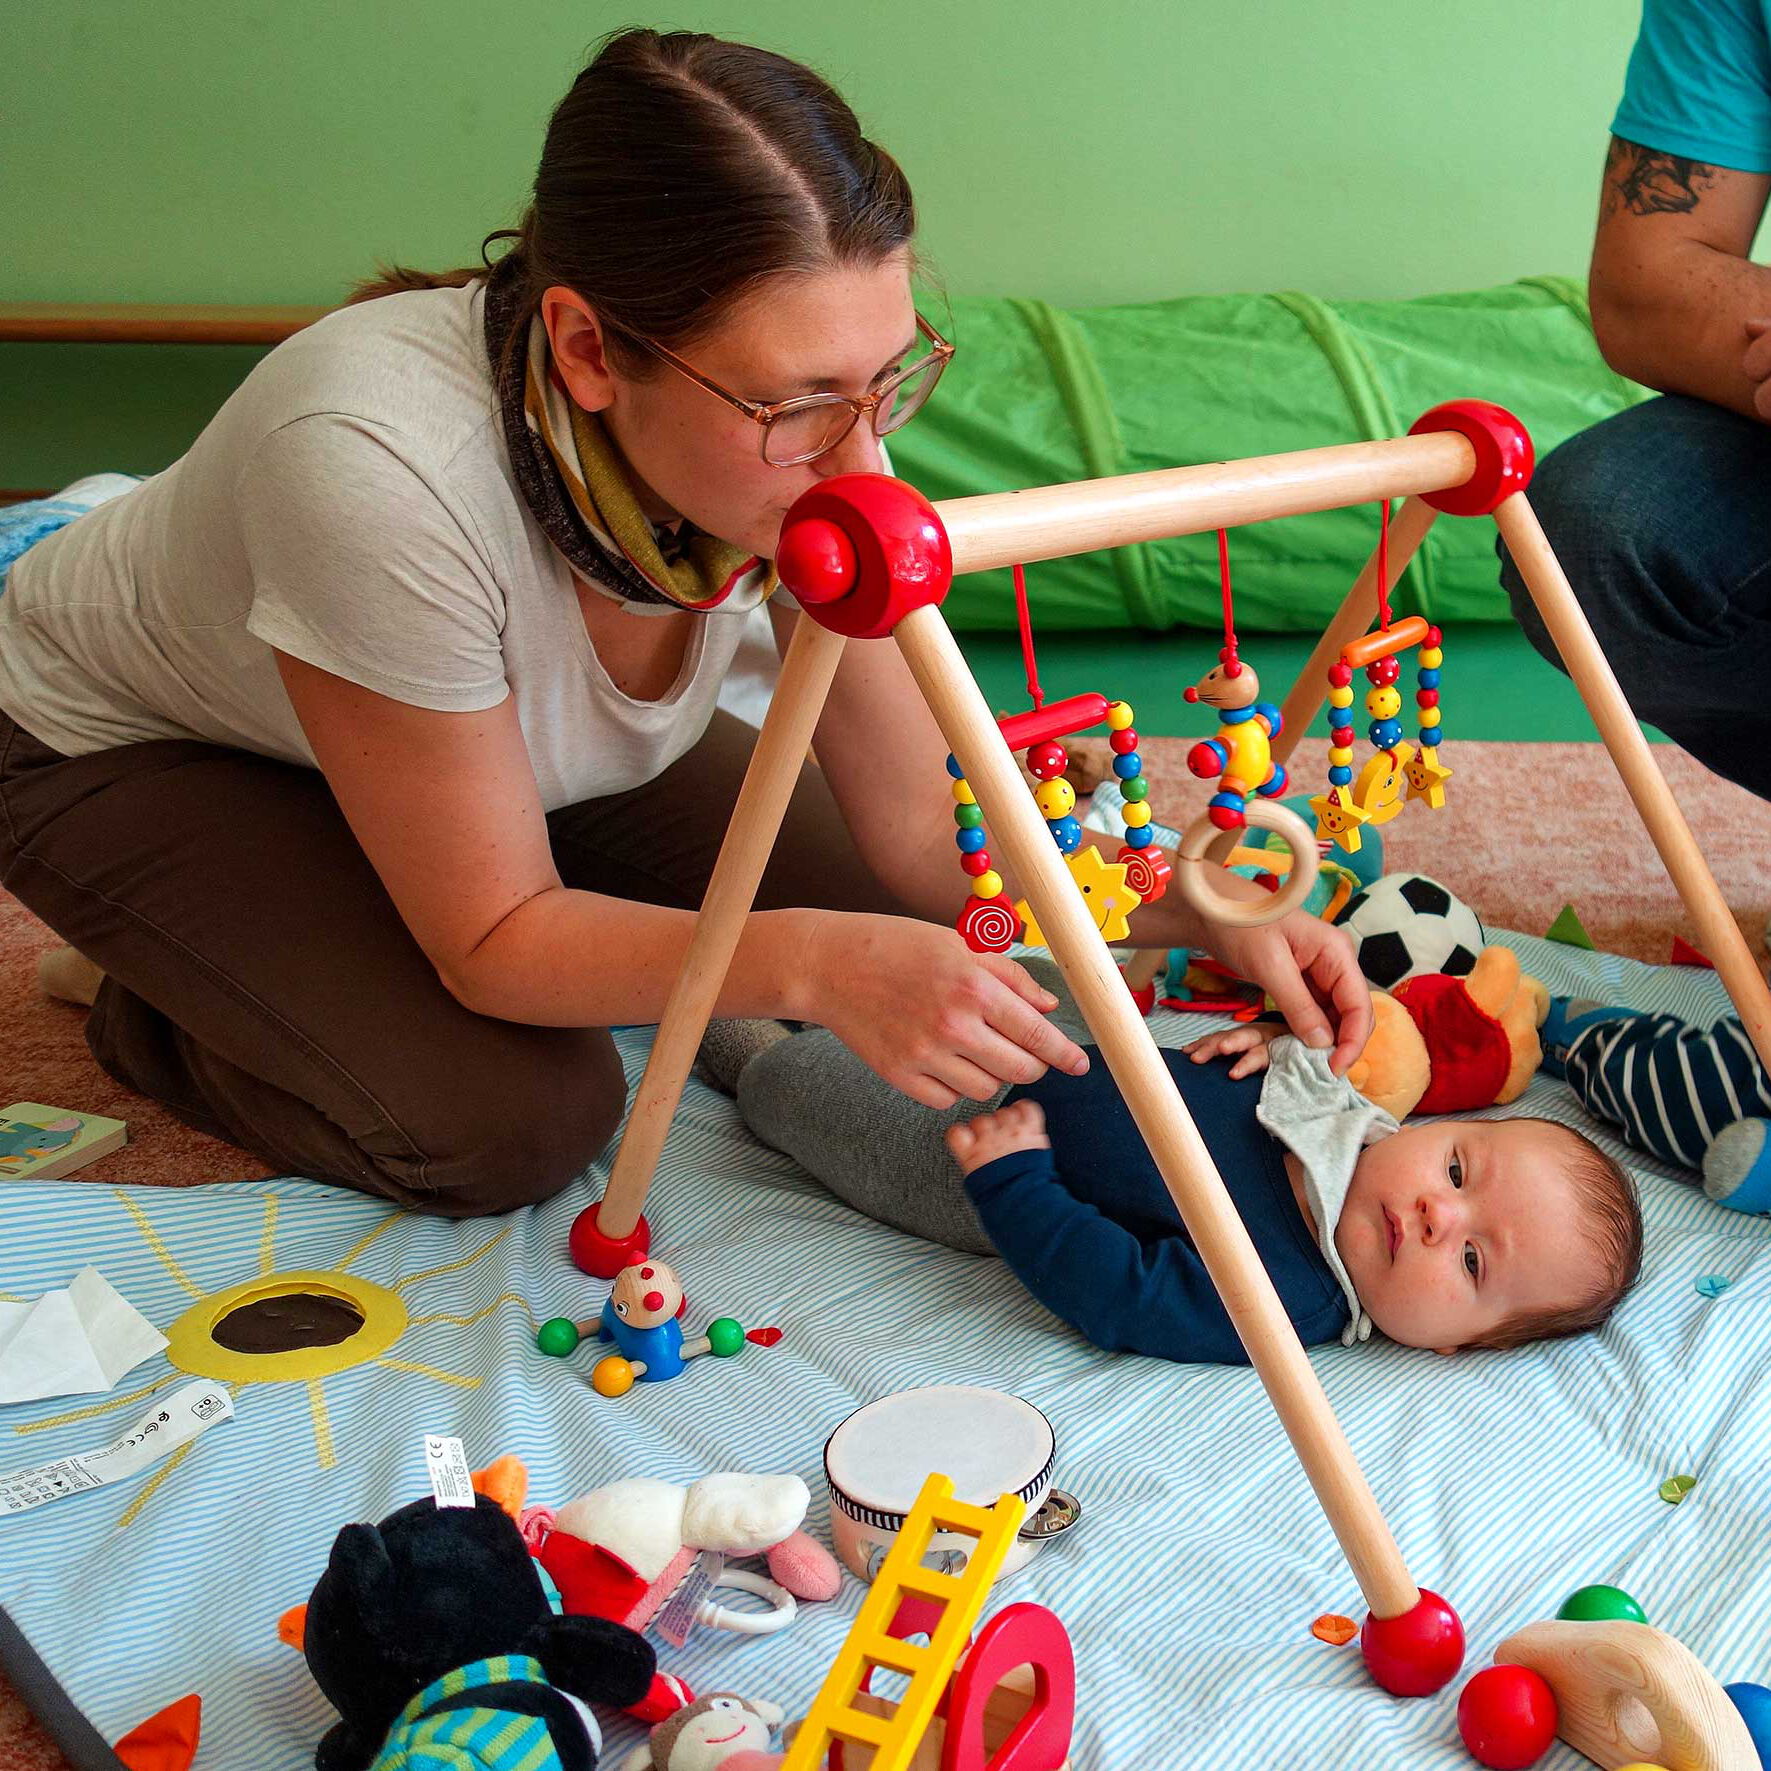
{"x": 1526, "y": 829}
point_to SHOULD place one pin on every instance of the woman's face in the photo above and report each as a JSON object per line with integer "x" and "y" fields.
{"x": 690, "y": 453}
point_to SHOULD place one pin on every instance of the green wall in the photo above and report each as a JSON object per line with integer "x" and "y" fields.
{"x": 259, "y": 152}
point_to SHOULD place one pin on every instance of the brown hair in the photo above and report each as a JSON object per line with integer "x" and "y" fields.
{"x": 1614, "y": 1223}
{"x": 679, "y": 173}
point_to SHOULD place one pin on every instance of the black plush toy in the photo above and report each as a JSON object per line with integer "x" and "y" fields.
{"x": 437, "y": 1618}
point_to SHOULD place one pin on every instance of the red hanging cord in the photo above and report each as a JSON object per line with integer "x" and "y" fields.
{"x": 1229, "y": 654}
{"x": 1383, "y": 567}
{"x": 1025, "y": 619}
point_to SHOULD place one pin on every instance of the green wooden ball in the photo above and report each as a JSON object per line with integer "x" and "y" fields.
{"x": 725, "y": 1336}
{"x": 557, "y": 1338}
{"x": 1598, "y": 1604}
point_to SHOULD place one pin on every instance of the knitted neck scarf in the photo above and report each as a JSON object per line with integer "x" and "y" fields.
{"x": 572, "y": 479}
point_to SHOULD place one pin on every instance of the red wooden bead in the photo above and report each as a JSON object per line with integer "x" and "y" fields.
{"x": 1123, "y": 742}
{"x": 1434, "y": 637}
{"x": 1507, "y": 1716}
{"x": 604, "y": 1256}
{"x": 1426, "y": 697}
{"x": 816, "y": 561}
{"x": 975, "y": 863}
{"x": 902, "y": 558}
{"x": 1047, "y": 761}
{"x": 1339, "y": 675}
{"x": 1416, "y": 1653}
{"x": 1503, "y": 455}
{"x": 1340, "y": 735}
{"x": 1383, "y": 671}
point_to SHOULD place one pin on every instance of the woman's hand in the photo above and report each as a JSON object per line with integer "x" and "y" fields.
{"x": 1309, "y": 969}
{"x": 936, "y": 1020}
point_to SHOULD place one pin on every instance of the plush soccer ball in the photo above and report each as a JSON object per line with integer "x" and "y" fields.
{"x": 1405, "y": 924}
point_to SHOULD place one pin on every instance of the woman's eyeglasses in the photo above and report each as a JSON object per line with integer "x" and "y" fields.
{"x": 802, "y": 429}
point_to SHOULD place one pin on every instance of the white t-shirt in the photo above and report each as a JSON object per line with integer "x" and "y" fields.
{"x": 353, "y": 505}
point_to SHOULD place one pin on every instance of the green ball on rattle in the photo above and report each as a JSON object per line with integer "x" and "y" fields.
{"x": 725, "y": 1336}
{"x": 558, "y": 1338}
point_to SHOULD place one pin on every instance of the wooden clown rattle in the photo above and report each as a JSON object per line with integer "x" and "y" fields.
{"x": 1249, "y": 779}
{"x": 643, "y": 1317}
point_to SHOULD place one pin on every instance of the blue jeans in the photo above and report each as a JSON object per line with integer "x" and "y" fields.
{"x": 1661, "y": 517}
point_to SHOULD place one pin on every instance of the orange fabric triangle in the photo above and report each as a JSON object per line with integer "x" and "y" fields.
{"x": 506, "y": 1481}
{"x": 167, "y": 1741}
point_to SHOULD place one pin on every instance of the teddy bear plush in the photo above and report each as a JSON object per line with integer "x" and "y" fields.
{"x": 1449, "y": 1045}
{"x": 439, "y": 1615}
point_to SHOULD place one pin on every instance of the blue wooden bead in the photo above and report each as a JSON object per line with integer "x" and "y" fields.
{"x": 1386, "y": 734}
{"x": 1066, "y": 833}
{"x": 1137, "y": 836}
{"x": 970, "y": 841}
{"x": 1127, "y": 766}
{"x": 953, "y": 767}
{"x": 1428, "y": 679}
{"x": 1340, "y": 776}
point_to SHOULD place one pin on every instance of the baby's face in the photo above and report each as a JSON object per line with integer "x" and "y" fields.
{"x": 1454, "y": 1226}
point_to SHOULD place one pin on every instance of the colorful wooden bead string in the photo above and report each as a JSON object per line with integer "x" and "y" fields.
{"x": 1399, "y": 771}
{"x": 989, "y": 922}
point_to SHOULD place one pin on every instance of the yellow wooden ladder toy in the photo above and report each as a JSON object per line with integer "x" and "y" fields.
{"x": 894, "y": 1737}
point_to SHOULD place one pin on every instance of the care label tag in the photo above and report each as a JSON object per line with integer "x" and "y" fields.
{"x": 450, "y": 1479}
{"x": 676, "y": 1622}
{"x": 175, "y": 1420}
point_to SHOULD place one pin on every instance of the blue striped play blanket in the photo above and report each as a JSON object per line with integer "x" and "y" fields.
{"x": 1189, "y": 1589}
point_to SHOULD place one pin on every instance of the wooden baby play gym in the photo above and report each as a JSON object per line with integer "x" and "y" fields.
{"x": 868, "y": 558}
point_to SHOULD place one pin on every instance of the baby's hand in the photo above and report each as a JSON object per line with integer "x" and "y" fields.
{"x": 1250, "y": 1040}
{"x": 990, "y": 1135}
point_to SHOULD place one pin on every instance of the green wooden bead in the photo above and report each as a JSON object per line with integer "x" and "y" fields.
{"x": 1599, "y": 1603}
{"x": 968, "y": 817}
{"x": 1137, "y": 788}
{"x": 725, "y": 1336}
{"x": 558, "y": 1337}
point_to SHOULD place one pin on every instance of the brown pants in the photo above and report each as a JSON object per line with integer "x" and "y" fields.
{"x": 261, "y": 984}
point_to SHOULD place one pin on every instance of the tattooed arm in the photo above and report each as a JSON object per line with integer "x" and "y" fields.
{"x": 1677, "y": 304}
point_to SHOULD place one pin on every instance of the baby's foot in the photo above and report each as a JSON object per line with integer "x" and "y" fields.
{"x": 1002, "y": 1133}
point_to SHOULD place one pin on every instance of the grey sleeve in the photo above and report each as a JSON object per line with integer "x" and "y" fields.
{"x": 361, "y": 568}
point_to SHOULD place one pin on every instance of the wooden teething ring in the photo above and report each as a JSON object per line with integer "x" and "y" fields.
{"x": 1194, "y": 863}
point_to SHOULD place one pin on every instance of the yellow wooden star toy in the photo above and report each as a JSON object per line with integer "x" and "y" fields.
{"x": 1338, "y": 819}
{"x": 1427, "y": 777}
{"x": 1109, "y": 899}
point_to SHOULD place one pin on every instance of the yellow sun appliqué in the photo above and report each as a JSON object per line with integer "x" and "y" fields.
{"x": 340, "y": 1320}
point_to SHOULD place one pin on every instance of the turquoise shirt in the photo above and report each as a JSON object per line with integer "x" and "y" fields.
{"x": 1699, "y": 82}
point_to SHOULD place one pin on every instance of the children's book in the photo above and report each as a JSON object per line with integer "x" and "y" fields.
{"x": 41, "y": 1143}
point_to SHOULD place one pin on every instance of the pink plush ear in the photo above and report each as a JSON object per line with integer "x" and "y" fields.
{"x": 803, "y": 1565}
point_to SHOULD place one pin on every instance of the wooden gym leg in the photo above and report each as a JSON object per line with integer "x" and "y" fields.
{"x": 798, "y": 700}
{"x": 1186, "y": 1165}
{"x": 1717, "y": 930}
